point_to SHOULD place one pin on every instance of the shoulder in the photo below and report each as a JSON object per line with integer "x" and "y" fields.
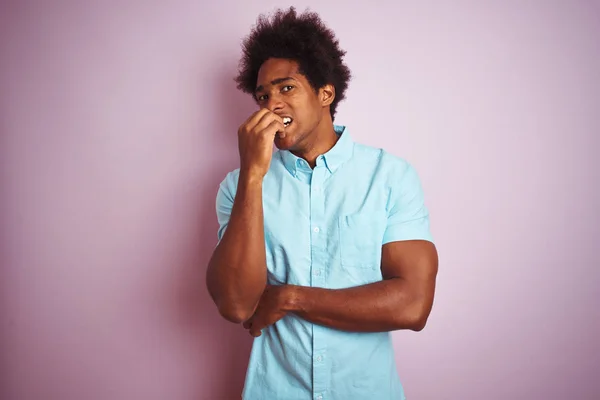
{"x": 230, "y": 181}
{"x": 385, "y": 162}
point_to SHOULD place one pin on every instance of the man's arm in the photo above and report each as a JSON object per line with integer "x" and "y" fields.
{"x": 237, "y": 274}
{"x": 402, "y": 300}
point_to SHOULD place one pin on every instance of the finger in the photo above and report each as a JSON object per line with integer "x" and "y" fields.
{"x": 266, "y": 121}
{"x": 256, "y": 325}
{"x": 273, "y": 128}
{"x": 255, "y": 118}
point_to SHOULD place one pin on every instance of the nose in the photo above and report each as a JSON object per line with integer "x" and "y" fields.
{"x": 274, "y": 103}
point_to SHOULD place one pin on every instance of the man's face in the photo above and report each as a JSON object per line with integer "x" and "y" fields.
{"x": 283, "y": 90}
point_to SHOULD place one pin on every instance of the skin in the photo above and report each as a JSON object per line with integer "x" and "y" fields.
{"x": 236, "y": 276}
{"x": 402, "y": 300}
{"x": 285, "y": 92}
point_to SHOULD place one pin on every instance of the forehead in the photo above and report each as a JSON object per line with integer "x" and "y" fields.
{"x": 276, "y": 68}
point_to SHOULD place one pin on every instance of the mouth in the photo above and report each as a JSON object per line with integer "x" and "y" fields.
{"x": 287, "y": 121}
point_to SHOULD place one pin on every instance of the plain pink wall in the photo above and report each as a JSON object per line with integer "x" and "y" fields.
{"x": 118, "y": 122}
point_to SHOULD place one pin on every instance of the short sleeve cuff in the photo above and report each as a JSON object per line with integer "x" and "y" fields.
{"x": 414, "y": 230}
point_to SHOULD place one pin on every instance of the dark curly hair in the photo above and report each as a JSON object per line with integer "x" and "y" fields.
{"x": 303, "y": 38}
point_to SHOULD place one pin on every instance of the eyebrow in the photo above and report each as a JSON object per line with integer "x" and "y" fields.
{"x": 274, "y": 82}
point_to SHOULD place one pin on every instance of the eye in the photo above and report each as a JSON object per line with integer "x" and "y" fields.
{"x": 287, "y": 88}
{"x": 261, "y": 97}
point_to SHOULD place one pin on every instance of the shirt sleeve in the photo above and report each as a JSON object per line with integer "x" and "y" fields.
{"x": 224, "y": 204}
{"x": 408, "y": 218}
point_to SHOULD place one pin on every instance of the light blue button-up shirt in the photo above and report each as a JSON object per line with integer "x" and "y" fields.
{"x": 324, "y": 227}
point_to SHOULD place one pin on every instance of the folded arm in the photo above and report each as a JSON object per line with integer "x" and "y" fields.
{"x": 402, "y": 300}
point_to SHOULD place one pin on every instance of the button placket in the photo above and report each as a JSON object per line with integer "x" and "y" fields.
{"x": 319, "y": 258}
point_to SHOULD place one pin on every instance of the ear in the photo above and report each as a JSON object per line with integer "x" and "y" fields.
{"x": 327, "y": 95}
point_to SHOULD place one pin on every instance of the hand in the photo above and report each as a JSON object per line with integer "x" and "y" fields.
{"x": 255, "y": 140}
{"x": 271, "y": 308}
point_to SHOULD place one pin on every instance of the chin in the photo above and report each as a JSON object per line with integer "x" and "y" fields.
{"x": 285, "y": 143}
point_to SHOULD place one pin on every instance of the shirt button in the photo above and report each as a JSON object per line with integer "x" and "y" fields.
{"x": 316, "y": 188}
{"x": 319, "y": 358}
{"x": 316, "y": 230}
{"x": 319, "y": 397}
{"x": 318, "y": 272}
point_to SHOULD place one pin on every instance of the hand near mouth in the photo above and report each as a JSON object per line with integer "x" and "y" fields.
{"x": 255, "y": 141}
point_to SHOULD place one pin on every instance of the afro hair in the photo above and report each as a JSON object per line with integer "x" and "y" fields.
{"x": 302, "y": 38}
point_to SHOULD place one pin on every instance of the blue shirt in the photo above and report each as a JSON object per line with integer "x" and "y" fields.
{"x": 324, "y": 227}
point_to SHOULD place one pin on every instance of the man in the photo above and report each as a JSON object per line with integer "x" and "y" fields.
{"x": 324, "y": 245}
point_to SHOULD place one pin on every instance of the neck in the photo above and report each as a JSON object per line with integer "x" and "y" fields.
{"x": 320, "y": 141}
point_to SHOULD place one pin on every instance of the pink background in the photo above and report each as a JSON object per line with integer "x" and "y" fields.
{"x": 119, "y": 120}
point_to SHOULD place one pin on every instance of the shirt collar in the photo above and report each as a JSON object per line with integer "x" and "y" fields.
{"x": 333, "y": 159}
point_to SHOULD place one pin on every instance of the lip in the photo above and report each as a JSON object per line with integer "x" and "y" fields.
{"x": 280, "y": 135}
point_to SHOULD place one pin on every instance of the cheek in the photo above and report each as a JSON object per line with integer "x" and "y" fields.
{"x": 307, "y": 109}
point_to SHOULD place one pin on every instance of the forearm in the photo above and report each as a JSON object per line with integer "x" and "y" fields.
{"x": 378, "y": 307}
{"x": 237, "y": 273}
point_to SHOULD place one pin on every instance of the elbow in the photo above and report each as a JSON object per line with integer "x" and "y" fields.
{"x": 415, "y": 319}
{"x": 231, "y": 309}
{"x": 418, "y": 324}
{"x": 237, "y": 315}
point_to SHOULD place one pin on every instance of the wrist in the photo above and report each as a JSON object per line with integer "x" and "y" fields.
{"x": 250, "y": 178}
{"x": 292, "y": 299}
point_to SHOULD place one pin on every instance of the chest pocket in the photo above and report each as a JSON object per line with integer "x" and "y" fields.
{"x": 361, "y": 237}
